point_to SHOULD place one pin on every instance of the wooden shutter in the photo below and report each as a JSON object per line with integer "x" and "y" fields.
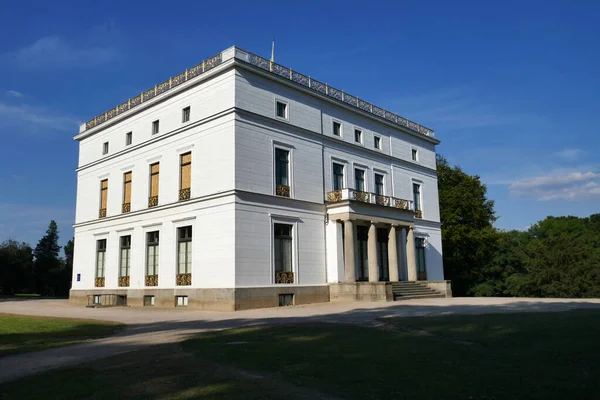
{"x": 103, "y": 193}
{"x": 186, "y": 171}
{"x": 154, "y": 173}
{"x": 127, "y": 187}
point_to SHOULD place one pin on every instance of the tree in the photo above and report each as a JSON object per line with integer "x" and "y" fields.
{"x": 468, "y": 237}
{"x": 16, "y": 267}
{"x": 47, "y": 262}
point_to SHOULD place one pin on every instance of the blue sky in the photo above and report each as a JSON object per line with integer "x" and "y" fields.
{"x": 510, "y": 87}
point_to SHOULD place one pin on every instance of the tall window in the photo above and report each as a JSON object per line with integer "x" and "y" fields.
{"x": 151, "y": 254}
{"x": 362, "y": 237}
{"x": 184, "y": 250}
{"x": 154, "y": 175}
{"x": 417, "y": 196}
{"x": 382, "y": 254}
{"x": 126, "y": 192}
{"x": 105, "y": 148}
{"x": 379, "y": 184}
{"x": 359, "y": 180}
{"x": 420, "y": 258}
{"x": 155, "y": 127}
{"x": 185, "y": 176}
{"x": 128, "y": 138}
{"x": 358, "y": 136}
{"x": 337, "y": 128}
{"x": 338, "y": 176}
{"x": 185, "y": 114}
{"x": 125, "y": 248}
{"x": 283, "y": 253}
{"x": 282, "y": 172}
{"x": 103, "y": 197}
{"x": 100, "y": 257}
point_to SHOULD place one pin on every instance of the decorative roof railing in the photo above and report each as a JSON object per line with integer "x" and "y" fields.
{"x": 175, "y": 81}
{"x": 267, "y": 65}
{"x": 337, "y": 94}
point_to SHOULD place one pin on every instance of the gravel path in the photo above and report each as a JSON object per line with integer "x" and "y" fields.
{"x": 147, "y": 326}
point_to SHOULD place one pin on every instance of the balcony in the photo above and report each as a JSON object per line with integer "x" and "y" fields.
{"x": 102, "y": 213}
{"x": 184, "y": 279}
{"x": 99, "y": 282}
{"x": 152, "y": 201}
{"x": 126, "y": 207}
{"x": 185, "y": 194}
{"x": 282, "y": 190}
{"x": 284, "y": 277}
{"x": 151, "y": 280}
{"x": 124, "y": 281}
{"x": 370, "y": 198}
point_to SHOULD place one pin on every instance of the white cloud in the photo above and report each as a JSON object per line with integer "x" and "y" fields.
{"x": 30, "y": 119}
{"x": 574, "y": 186}
{"x": 14, "y": 93}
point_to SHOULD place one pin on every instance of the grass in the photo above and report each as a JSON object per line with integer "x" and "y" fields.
{"x": 19, "y": 333}
{"x": 496, "y": 356}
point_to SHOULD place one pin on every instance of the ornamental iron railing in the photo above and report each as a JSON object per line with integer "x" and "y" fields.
{"x": 123, "y": 281}
{"x": 365, "y": 197}
{"x": 273, "y": 68}
{"x": 99, "y": 282}
{"x": 184, "y": 279}
{"x": 185, "y": 194}
{"x": 102, "y": 213}
{"x": 188, "y": 74}
{"x": 126, "y": 207}
{"x": 151, "y": 280}
{"x": 418, "y": 213}
{"x": 282, "y": 190}
{"x": 152, "y": 201}
{"x": 284, "y": 277}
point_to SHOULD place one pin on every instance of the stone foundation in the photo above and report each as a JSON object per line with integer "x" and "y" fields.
{"x": 361, "y": 291}
{"x": 211, "y": 299}
{"x": 443, "y": 287}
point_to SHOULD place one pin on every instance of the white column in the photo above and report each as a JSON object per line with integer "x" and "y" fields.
{"x": 372, "y": 254}
{"x": 349, "y": 265}
{"x": 410, "y": 255}
{"x": 393, "y": 255}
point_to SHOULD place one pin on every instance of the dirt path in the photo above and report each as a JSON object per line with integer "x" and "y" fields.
{"x": 147, "y": 327}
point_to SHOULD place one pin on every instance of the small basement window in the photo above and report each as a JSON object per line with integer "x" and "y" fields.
{"x": 97, "y": 299}
{"x": 181, "y": 301}
{"x": 286, "y": 300}
{"x": 148, "y": 301}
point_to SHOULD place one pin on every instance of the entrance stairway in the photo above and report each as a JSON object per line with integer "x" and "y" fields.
{"x": 413, "y": 290}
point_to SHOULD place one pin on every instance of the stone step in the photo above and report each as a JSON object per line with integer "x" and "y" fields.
{"x": 419, "y": 296}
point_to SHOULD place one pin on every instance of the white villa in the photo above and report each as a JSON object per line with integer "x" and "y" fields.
{"x": 240, "y": 183}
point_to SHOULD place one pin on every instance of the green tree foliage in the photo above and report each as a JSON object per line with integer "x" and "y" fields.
{"x": 16, "y": 267}
{"x": 469, "y": 239}
{"x": 48, "y": 265}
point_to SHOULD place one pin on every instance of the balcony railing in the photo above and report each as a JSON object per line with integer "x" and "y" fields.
{"x": 371, "y": 198}
{"x": 184, "y": 279}
{"x": 102, "y": 213}
{"x": 99, "y": 282}
{"x": 151, "y": 280}
{"x": 284, "y": 277}
{"x": 282, "y": 190}
{"x": 124, "y": 281}
{"x": 152, "y": 201}
{"x": 185, "y": 194}
{"x": 126, "y": 207}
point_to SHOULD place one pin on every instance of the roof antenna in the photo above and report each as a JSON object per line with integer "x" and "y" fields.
{"x": 273, "y": 51}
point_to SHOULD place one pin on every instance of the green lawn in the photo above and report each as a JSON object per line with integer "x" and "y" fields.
{"x": 499, "y": 356}
{"x": 20, "y": 333}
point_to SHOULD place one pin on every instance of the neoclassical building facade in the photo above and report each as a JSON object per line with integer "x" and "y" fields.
{"x": 240, "y": 183}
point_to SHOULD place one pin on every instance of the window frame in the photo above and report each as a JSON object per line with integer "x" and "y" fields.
{"x": 421, "y": 250}
{"x": 105, "y": 148}
{"x": 290, "y": 150}
{"x": 333, "y": 180}
{"x": 97, "y": 263}
{"x": 181, "y": 165}
{"x": 147, "y": 244}
{"x": 420, "y": 185}
{"x": 129, "y": 138}
{"x": 382, "y": 175}
{"x": 360, "y": 134}
{"x": 150, "y": 174}
{"x": 156, "y": 127}
{"x": 186, "y": 112}
{"x": 121, "y": 248}
{"x": 414, "y": 154}
{"x": 189, "y": 265}
{"x": 377, "y": 139}
{"x": 294, "y": 233}
{"x": 335, "y": 122}
{"x": 364, "y": 179}
{"x": 286, "y": 110}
